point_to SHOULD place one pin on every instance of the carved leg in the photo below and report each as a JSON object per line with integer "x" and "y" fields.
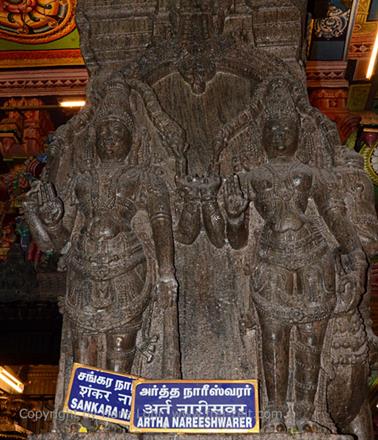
{"x": 362, "y": 425}
{"x": 121, "y": 348}
{"x": 85, "y": 349}
{"x": 275, "y": 348}
{"x": 84, "y": 346}
{"x": 308, "y": 348}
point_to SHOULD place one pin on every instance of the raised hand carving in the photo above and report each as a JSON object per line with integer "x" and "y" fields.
{"x": 50, "y": 207}
{"x": 237, "y": 217}
{"x": 44, "y": 211}
{"x": 234, "y": 201}
{"x": 351, "y": 269}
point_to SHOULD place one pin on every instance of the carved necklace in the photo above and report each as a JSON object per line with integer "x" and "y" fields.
{"x": 283, "y": 184}
{"x": 105, "y": 180}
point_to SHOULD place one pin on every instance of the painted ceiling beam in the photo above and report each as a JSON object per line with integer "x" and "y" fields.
{"x": 43, "y": 82}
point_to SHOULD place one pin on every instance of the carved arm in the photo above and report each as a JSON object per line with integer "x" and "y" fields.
{"x": 333, "y": 210}
{"x": 159, "y": 211}
{"x": 357, "y": 185}
{"x": 212, "y": 216}
{"x": 158, "y": 206}
{"x": 189, "y": 224}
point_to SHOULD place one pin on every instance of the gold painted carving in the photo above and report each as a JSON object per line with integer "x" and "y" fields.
{"x": 36, "y": 21}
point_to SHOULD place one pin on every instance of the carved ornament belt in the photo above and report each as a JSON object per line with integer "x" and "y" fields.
{"x": 294, "y": 249}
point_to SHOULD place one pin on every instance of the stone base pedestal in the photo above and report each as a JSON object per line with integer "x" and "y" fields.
{"x": 125, "y": 436}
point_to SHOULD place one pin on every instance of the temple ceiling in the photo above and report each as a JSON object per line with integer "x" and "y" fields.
{"x": 38, "y": 33}
{"x": 36, "y": 21}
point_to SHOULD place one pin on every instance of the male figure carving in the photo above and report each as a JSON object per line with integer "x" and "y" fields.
{"x": 109, "y": 275}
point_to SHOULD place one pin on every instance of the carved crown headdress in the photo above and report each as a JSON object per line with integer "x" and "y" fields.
{"x": 274, "y": 98}
{"x": 278, "y": 101}
{"x": 115, "y": 104}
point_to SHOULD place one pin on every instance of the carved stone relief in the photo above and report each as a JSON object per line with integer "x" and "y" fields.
{"x": 199, "y": 208}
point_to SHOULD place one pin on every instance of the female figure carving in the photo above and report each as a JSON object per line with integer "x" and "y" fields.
{"x": 293, "y": 283}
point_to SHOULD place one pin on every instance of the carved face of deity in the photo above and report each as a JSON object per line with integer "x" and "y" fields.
{"x": 113, "y": 140}
{"x": 280, "y": 137}
{"x": 197, "y": 73}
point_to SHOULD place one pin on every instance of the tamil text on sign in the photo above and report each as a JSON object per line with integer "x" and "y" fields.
{"x": 99, "y": 394}
{"x": 195, "y": 406}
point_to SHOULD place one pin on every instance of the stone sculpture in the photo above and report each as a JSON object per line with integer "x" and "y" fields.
{"x": 293, "y": 283}
{"x": 354, "y": 344}
{"x": 198, "y": 158}
{"x": 111, "y": 274}
{"x": 320, "y": 311}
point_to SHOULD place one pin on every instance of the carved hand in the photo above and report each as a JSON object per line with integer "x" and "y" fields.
{"x": 371, "y": 249}
{"x": 50, "y": 207}
{"x": 199, "y": 187}
{"x": 352, "y": 269}
{"x": 348, "y": 294}
{"x": 354, "y": 261}
{"x": 209, "y": 186}
{"x": 234, "y": 201}
{"x": 189, "y": 187}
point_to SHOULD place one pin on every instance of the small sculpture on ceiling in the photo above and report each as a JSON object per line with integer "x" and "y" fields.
{"x": 300, "y": 278}
{"x": 198, "y": 26}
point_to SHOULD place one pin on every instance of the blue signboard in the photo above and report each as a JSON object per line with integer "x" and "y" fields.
{"x": 99, "y": 394}
{"x": 195, "y": 406}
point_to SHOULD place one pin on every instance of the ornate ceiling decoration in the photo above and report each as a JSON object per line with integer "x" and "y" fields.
{"x": 370, "y": 153}
{"x": 334, "y": 25}
{"x": 36, "y": 21}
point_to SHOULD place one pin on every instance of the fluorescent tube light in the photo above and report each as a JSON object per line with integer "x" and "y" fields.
{"x": 73, "y": 103}
{"x": 373, "y": 58}
{"x": 11, "y": 380}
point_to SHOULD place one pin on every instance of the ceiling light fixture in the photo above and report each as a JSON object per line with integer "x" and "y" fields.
{"x": 72, "y": 103}
{"x": 373, "y": 58}
{"x": 10, "y": 380}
